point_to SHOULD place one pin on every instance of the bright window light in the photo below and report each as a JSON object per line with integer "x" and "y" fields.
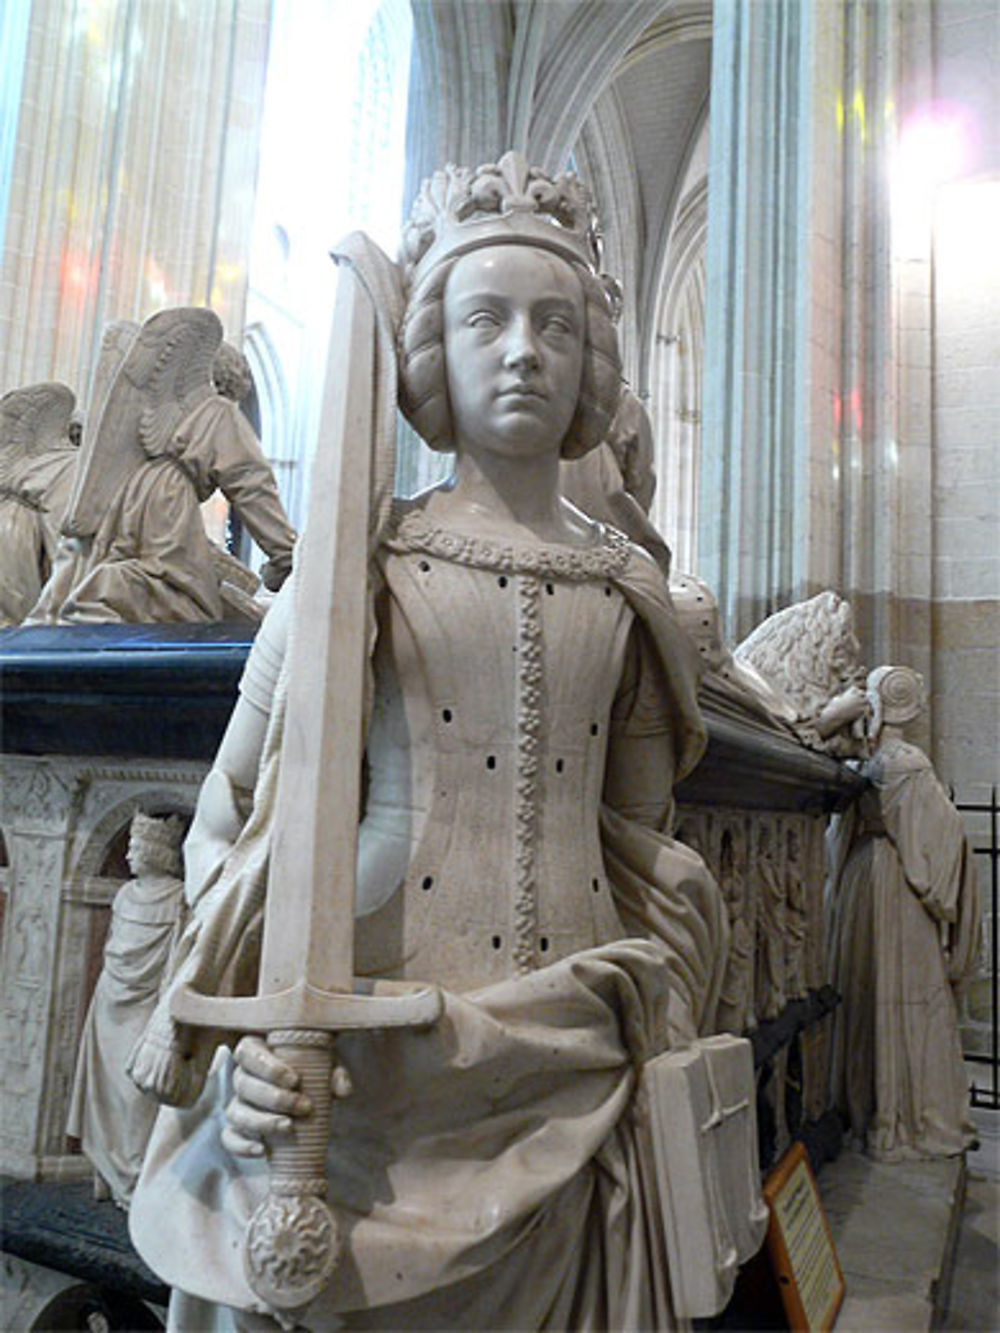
{"x": 937, "y": 143}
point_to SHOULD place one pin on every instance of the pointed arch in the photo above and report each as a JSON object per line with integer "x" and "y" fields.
{"x": 577, "y": 69}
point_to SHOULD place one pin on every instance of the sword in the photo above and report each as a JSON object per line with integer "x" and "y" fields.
{"x": 305, "y": 987}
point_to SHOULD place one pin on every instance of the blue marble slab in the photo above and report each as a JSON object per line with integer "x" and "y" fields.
{"x": 131, "y": 691}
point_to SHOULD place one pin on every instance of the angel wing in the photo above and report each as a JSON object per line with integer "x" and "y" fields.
{"x": 33, "y": 420}
{"x": 808, "y": 652}
{"x": 171, "y": 363}
{"x": 117, "y": 338}
{"x": 164, "y": 373}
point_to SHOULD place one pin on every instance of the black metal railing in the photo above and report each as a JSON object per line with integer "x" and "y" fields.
{"x": 988, "y": 1093}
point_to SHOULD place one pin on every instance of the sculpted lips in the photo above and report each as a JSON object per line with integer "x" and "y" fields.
{"x": 517, "y": 392}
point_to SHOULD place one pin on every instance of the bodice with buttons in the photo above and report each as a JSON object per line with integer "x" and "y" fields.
{"x": 496, "y": 671}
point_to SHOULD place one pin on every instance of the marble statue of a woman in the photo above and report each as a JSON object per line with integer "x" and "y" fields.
{"x": 533, "y": 705}
{"x": 904, "y": 934}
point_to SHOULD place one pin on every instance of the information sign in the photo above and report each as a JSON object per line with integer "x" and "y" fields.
{"x": 800, "y": 1246}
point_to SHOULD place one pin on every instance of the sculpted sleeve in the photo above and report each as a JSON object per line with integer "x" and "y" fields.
{"x": 639, "y": 776}
{"x": 244, "y": 476}
{"x": 260, "y": 675}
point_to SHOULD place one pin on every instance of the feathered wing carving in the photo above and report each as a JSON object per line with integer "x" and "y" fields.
{"x": 33, "y": 420}
{"x": 171, "y": 363}
{"x": 165, "y": 372}
{"x": 117, "y": 338}
{"x": 808, "y": 652}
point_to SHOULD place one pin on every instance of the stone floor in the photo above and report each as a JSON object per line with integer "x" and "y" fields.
{"x": 914, "y": 1256}
{"x": 975, "y": 1286}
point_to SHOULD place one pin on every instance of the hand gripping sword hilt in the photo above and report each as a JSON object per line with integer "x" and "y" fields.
{"x": 292, "y": 1243}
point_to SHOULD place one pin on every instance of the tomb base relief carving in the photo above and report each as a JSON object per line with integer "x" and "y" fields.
{"x": 60, "y": 820}
{"x": 107, "y": 1112}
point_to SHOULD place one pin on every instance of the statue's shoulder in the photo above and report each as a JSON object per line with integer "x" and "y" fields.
{"x": 897, "y": 758}
{"x": 640, "y": 574}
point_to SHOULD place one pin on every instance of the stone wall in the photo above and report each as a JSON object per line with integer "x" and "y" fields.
{"x": 966, "y": 490}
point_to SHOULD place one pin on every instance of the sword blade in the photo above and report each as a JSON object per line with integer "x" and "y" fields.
{"x": 305, "y": 988}
{"x": 309, "y": 913}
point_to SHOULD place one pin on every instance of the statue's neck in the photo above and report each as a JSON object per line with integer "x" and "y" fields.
{"x": 511, "y": 498}
{"x": 891, "y": 731}
{"x": 526, "y": 489}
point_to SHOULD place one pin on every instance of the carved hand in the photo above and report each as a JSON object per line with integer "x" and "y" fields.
{"x": 842, "y": 709}
{"x": 267, "y": 1098}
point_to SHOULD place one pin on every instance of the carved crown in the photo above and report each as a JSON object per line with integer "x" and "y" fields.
{"x": 508, "y": 202}
{"x": 155, "y": 843}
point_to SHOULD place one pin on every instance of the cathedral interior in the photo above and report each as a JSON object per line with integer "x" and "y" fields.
{"x": 799, "y": 201}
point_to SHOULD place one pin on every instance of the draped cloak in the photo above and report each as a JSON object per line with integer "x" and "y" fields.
{"x": 32, "y": 504}
{"x": 904, "y": 935}
{"x": 107, "y": 1112}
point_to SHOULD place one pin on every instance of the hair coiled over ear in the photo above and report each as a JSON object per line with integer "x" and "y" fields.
{"x": 423, "y": 378}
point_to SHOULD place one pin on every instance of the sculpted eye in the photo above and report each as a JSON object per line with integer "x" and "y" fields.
{"x": 557, "y": 324}
{"x": 482, "y": 319}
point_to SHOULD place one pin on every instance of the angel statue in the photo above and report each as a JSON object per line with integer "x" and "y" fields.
{"x": 159, "y": 441}
{"x": 70, "y": 554}
{"x": 37, "y": 459}
{"x": 530, "y": 703}
{"x": 809, "y": 655}
{"x": 904, "y": 934}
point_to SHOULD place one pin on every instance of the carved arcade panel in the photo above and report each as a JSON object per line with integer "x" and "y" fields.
{"x": 63, "y": 824}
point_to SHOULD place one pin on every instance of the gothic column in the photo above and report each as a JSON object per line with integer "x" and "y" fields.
{"x": 772, "y": 292}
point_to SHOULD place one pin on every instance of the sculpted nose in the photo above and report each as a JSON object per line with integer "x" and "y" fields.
{"x": 520, "y": 352}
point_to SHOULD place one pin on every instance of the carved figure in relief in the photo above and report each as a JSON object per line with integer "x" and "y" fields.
{"x": 809, "y": 654}
{"x": 37, "y": 460}
{"x": 904, "y": 931}
{"x": 108, "y": 1113}
{"x": 532, "y": 704}
{"x": 796, "y": 918}
{"x": 736, "y": 1000}
{"x": 771, "y": 922}
{"x": 161, "y": 442}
